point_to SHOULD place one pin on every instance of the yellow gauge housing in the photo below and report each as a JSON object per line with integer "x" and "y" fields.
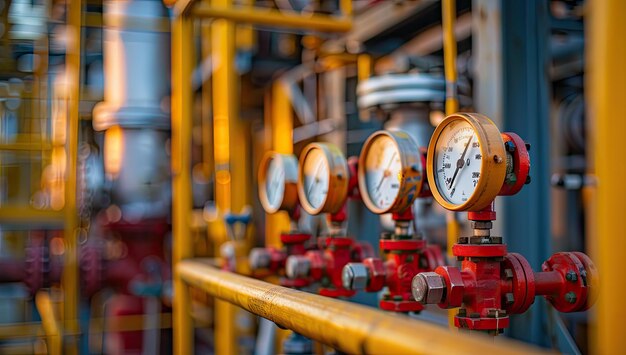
{"x": 338, "y": 177}
{"x": 493, "y": 169}
{"x": 289, "y": 164}
{"x": 410, "y": 180}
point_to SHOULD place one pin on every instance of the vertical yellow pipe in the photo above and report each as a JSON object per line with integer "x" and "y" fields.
{"x": 606, "y": 50}
{"x": 182, "y": 54}
{"x": 49, "y": 323}
{"x": 280, "y": 125}
{"x": 452, "y": 106}
{"x": 346, "y": 7}
{"x": 70, "y": 269}
{"x": 231, "y": 143}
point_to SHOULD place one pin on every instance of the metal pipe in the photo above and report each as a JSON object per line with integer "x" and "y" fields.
{"x": 606, "y": 75}
{"x": 448, "y": 8}
{"x": 71, "y": 286}
{"x": 182, "y": 56}
{"x": 49, "y": 322}
{"x": 345, "y": 326}
{"x": 274, "y": 18}
{"x": 136, "y": 67}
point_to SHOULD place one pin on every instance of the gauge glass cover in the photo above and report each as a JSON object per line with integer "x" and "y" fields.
{"x": 383, "y": 172}
{"x": 316, "y": 178}
{"x": 458, "y": 162}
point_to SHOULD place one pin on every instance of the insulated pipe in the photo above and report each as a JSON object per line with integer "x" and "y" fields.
{"x": 345, "y": 326}
{"x": 136, "y": 71}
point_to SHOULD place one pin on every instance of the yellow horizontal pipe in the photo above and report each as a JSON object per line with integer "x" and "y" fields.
{"x": 25, "y": 146}
{"x": 274, "y": 18}
{"x": 20, "y": 330}
{"x": 345, "y": 326}
{"x": 25, "y": 214}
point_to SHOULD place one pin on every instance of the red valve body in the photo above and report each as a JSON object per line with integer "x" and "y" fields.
{"x": 492, "y": 284}
{"x": 293, "y": 244}
{"x": 327, "y": 263}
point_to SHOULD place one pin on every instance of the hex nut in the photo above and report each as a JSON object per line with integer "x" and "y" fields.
{"x": 297, "y": 266}
{"x": 428, "y": 287}
{"x": 355, "y": 276}
{"x": 260, "y": 258}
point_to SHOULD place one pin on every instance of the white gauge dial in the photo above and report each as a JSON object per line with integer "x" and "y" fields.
{"x": 323, "y": 178}
{"x": 383, "y": 171}
{"x": 458, "y": 162}
{"x": 466, "y": 162}
{"x": 390, "y": 172}
{"x": 275, "y": 183}
{"x": 316, "y": 178}
{"x": 278, "y": 175}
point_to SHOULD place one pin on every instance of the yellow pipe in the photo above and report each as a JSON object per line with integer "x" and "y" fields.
{"x": 280, "y": 126}
{"x": 19, "y": 330}
{"x": 182, "y": 63}
{"x": 230, "y": 149}
{"x": 49, "y": 322}
{"x": 345, "y": 326}
{"x": 274, "y": 18}
{"x": 448, "y": 9}
{"x": 606, "y": 50}
{"x": 71, "y": 286}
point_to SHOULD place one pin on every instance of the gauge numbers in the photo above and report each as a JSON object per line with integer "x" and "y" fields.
{"x": 383, "y": 171}
{"x": 466, "y": 162}
{"x": 458, "y": 162}
{"x": 323, "y": 178}
{"x": 390, "y": 172}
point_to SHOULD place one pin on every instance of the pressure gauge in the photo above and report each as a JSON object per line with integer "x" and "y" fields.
{"x": 390, "y": 172}
{"x": 278, "y": 177}
{"x": 466, "y": 162}
{"x": 322, "y": 178}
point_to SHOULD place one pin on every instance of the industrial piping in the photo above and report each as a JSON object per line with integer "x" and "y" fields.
{"x": 345, "y": 326}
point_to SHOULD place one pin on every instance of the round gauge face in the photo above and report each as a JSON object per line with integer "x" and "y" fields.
{"x": 458, "y": 162}
{"x": 383, "y": 172}
{"x": 322, "y": 179}
{"x": 275, "y": 183}
{"x": 278, "y": 175}
{"x": 390, "y": 172}
{"x": 466, "y": 162}
{"x": 316, "y": 178}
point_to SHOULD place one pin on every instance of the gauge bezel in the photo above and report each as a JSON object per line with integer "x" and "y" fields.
{"x": 338, "y": 177}
{"x": 411, "y": 180}
{"x": 492, "y": 171}
{"x": 289, "y": 165}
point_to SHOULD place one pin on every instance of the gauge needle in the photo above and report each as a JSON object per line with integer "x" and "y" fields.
{"x": 460, "y": 162}
{"x": 315, "y": 178}
{"x": 385, "y": 172}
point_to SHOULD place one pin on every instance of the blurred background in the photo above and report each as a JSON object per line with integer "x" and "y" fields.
{"x": 92, "y": 91}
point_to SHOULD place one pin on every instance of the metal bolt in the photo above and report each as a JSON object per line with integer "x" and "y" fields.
{"x": 509, "y": 146}
{"x": 354, "y": 276}
{"x": 570, "y": 297}
{"x": 259, "y": 258}
{"x": 297, "y": 266}
{"x": 508, "y": 273}
{"x": 571, "y": 276}
{"x": 428, "y": 287}
{"x": 509, "y": 298}
{"x": 497, "y": 159}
